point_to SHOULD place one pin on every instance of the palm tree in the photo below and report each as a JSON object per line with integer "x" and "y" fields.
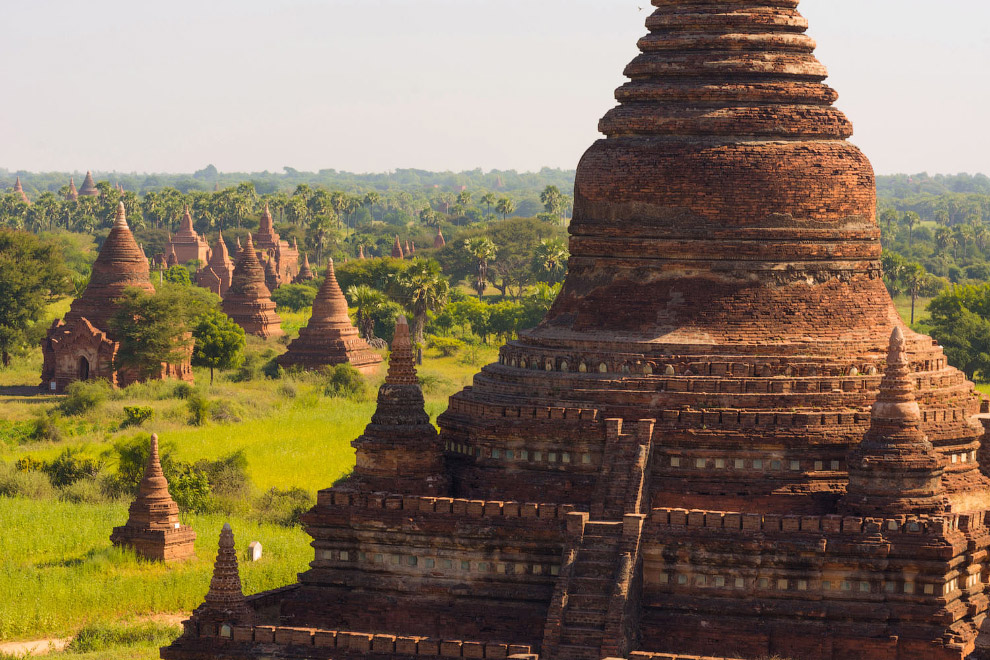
{"x": 506, "y": 207}
{"x": 910, "y": 219}
{"x": 423, "y": 288}
{"x": 464, "y": 199}
{"x": 370, "y": 199}
{"x": 913, "y": 276}
{"x": 553, "y": 201}
{"x": 943, "y": 239}
{"x": 489, "y": 200}
{"x": 482, "y": 249}
{"x": 366, "y": 300}
{"x": 551, "y": 259}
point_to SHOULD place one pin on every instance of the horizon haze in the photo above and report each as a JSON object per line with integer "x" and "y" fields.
{"x": 376, "y": 85}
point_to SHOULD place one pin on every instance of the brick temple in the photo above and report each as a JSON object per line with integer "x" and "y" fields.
{"x": 187, "y": 244}
{"x": 283, "y": 258}
{"x": 329, "y": 337}
{"x": 721, "y": 441}
{"x": 82, "y": 345}
{"x": 153, "y": 529}
{"x": 248, "y": 301}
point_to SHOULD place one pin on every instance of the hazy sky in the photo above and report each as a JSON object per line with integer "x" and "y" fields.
{"x": 372, "y": 85}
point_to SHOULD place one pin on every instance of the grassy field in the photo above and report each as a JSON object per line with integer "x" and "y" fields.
{"x": 903, "y": 305}
{"x": 59, "y": 574}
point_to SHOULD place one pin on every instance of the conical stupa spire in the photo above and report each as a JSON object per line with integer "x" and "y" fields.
{"x": 402, "y": 361}
{"x": 89, "y": 188}
{"x": 248, "y": 300}
{"x": 153, "y": 527}
{"x": 397, "y": 249}
{"x": 187, "y": 224}
{"x": 121, "y": 221}
{"x": 438, "y": 240}
{"x": 330, "y": 305}
{"x": 266, "y": 224}
{"x": 360, "y": 252}
{"x": 73, "y": 194}
{"x": 895, "y": 470}
{"x": 19, "y": 190}
{"x": 224, "y": 603}
{"x": 408, "y": 251}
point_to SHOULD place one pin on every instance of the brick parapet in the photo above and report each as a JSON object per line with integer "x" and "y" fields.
{"x": 453, "y": 507}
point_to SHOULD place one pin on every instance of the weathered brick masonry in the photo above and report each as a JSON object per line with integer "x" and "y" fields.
{"x": 738, "y": 448}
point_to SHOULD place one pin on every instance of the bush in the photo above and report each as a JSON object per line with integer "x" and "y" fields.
{"x": 224, "y": 411}
{"x": 294, "y": 297}
{"x": 228, "y": 475}
{"x": 19, "y": 483}
{"x": 344, "y": 381}
{"x": 432, "y": 382}
{"x": 199, "y": 408}
{"x": 83, "y": 396}
{"x": 67, "y": 469}
{"x": 84, "y": 491}
{"x": 446, "y": 346}
{"x": 182, "y": 391}
{"x": 102, "y": 637}
{"x": 190, "y": 489}
{"x": 255, "y": 366}
{"x": 46, "y": 427}
{"x": 136, "y": 415}
{"x": 287, "y": 391}
{"x": 284, "y": 507}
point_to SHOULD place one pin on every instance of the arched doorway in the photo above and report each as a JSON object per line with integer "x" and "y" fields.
{"x": 83, "y": 368}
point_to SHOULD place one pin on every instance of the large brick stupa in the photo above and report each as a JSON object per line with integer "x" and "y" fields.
{"x": 329, "y": 337}
{"x": 685, "y": 456}
{"x": 248, "y": 301}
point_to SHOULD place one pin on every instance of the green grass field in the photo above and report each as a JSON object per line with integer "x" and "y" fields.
{"x": 59, "y": 573}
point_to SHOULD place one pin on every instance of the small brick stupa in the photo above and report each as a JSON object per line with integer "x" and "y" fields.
{"x": 72, "y": 195}
{"x": 81, "y": 346}
{"x": 400, "y": 448}
{"x": 248, "y": 301}
{"x": 895, "y": 470}
{"x": 305, "y": 273}
{"x": 187, "y": 244}
{"x": 438, "y": 240}
{"x": 19, "y": 190}
{"x": 153, "y": 528}
{"x": 224, "y": 607}
{"x": 397, "y": 249}
{"x": 221, "y": 266}
{"x": 89, "y": 188}
{"x": 330, "y": 338}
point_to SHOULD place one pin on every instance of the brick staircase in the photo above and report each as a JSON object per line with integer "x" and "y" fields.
{"x": 594, "y": 613}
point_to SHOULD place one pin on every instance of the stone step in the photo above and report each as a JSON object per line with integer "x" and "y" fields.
{"x": 588, "y": 602}
{"x": 603, "y": 529}
{"x": 595, "y": 569}
{"x": 591, "y": 586}
{"x": 578, "y": 636}
{"x": 577, "y": 652}
{"x": 584, "y": 618}
{"x": 598, "y": 556}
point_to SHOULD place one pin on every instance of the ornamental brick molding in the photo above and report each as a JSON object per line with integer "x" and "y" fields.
{"x": 153, "y": 529}
{"x": 81, "y": 346}
{"x": 721, "y": 441}
{"x": 329, "y": 337}
{"x": 248, "y": 301}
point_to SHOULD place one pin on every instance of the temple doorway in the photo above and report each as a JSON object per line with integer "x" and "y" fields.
{"x": 83, "y": 368}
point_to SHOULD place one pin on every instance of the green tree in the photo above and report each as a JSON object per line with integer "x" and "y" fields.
{"x": 219, "y": 342}
{"x": 483, "y": 250}
{"x": 178, "y": 275}
{"x": 553, "y": 201}
{"x": 550, "y": 260}
{"x": 422, "y": 289}
{"x": 911, "y": 219}
{"x": 489, "y": 200}
{"x": 366, "y": 300}
{"x": 506, "y": 207}
{"x": 32, "y": 274}
{"x": 371, "y": 199}
{"x": 913, "y": 276}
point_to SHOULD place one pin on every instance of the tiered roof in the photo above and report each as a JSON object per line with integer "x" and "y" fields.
{"x": 330, "y": 338}
{"x": 248, "y": 301}
{"x": 397, "y": 249}
{"x": 72, "y": 195}
{"x": 89, "y": 188}
{"x": 19, "y": 190}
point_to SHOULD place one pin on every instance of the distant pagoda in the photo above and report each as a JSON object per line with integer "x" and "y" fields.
{"x": 81, "y": 346}
{"x": 221, "y": 266}
{"x": 248, "y": 301}
{"x": 305, "y": 273}
{"x": 72, "y": 195}
{"x": 330, "y": 338}
{"x": 19, "y": 191}
{"x": 268, "y": 242}
{"x": 397, "y": 249}
{"x": 153, "y": 528}
{"x": 89, "y": 188}
{"x": 438, "y": 240}
{"x": 189, "y": 245}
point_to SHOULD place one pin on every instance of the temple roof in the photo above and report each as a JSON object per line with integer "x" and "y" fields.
{"x": 225, "y": 601}
{"x": 73, "y": 194}
{"x": 19, "y": 190}
{"x": 89, "y": 188}
{"x": 397, "y": 249}
{"x": 438, "y": 240}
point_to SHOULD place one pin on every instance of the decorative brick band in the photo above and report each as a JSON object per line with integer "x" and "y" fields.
{"x": 364, "y": 642}
{"x": 443, "y": 505}
{"x": 756, "y": 522}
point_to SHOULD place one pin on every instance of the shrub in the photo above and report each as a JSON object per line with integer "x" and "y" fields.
{"x": 224, "y": 411}
{"x": 446, "y": 346}
{"x": 102, "y": 637}
{"x": 471, "y": 356}
{"x": 83, "y": 396}
{"x": 344, "y": 381}
{"x": 136, "y": 415}
{"x": 287, "y": 391}
{"x": 284, "y": 507}
{"x": 199, "y": 408}
{"x": 46, "y": 427}
{"x": 190, "y": 489}
{"x": 182, "y": 391}
{"x": 294, "y": 297}
{"x": 228, "y": 475}
{"x": 19, "y": 483}
{"x": 67, "y": 469}
{"x": 84, "y": 491}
